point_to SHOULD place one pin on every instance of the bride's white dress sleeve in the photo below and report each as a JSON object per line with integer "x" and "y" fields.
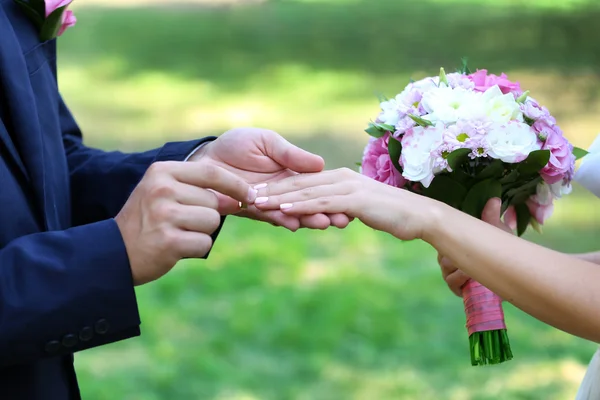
{"x": 590, "y": 386}
{"x": 588, "y": 175}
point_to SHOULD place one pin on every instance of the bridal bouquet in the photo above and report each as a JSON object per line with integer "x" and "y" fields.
{"x": 463, "y": 138}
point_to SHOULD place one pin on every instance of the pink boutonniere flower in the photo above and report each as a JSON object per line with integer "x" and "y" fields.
{"x": 50, "y": 16}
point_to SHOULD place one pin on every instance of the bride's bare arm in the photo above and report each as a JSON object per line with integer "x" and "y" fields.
{"x": 554, "y": 287}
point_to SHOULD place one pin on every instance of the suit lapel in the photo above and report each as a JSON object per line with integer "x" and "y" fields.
{"x": 9, "y": 146}
{"x": 21, "y": 108}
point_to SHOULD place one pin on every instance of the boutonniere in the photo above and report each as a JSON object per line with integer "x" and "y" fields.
{"x": 50, "y": 16}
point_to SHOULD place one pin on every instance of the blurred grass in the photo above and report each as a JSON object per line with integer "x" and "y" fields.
{"x": 311, "y": 70}
{"x": 321, "y": 315}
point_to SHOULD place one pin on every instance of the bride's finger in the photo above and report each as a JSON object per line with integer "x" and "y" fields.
{"x": 273, "y": 202}
{"x": 326, "y": 205}
{"x": 302, "y": 181}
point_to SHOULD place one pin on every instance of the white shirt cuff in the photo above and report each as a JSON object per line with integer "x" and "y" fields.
{"x": 194, "y": 151}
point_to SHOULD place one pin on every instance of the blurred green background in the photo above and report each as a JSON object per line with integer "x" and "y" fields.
{"x": 320, "y": 315}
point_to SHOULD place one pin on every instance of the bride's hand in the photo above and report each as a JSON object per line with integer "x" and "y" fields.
{"x": 454, "y": 277}
{"x": 403, "y": 214}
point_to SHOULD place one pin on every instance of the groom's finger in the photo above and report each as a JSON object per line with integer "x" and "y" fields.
{"x": 316, "y": 221}
{"x": 275, "y": 217}
{"x": 227, "y": 205}
{"x": 339, "y": 220}
{"x": 289, "y": 156}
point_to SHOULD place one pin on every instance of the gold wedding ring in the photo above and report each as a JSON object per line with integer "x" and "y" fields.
{"x": 243, "y": 206}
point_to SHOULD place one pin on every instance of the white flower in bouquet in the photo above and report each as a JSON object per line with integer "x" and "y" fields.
{"x": 511, "y": 142}
{"x": 418, "y": 145}
{"x": 560, "y": 189}
{"x": 448, "y": 105}
{"x": 501, "y": 107}
{"x": 390, "y": 113}
{"x": 543, "y": 194}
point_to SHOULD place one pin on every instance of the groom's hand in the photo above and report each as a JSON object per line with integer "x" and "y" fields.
{"x": 171, "y": 215}
{"x": 260, "y": 156}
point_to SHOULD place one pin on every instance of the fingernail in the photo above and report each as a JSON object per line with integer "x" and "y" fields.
{"x": 261, "y": 200}
{"x": 260, "y": 186}
{"x": 252, "y": 195}
{"x": 286, "y": 206}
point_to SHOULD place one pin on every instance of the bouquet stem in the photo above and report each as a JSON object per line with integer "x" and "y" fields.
{"x": 488, "y": 339}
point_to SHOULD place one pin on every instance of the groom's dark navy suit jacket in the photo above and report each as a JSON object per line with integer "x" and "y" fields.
{"x": 65, "y": 280}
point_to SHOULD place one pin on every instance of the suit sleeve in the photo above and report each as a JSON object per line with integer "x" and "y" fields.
{"x": 102, "y": 181}
{"x": 66, "y": 291}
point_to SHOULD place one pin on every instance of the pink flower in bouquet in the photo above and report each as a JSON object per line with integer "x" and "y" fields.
{"x": 457, "y": 80}
{"x": 466, "y": 133}
{"x": 561, "y": 156}
{"x": 376, "y": 163}
{"x": 545, "y": 128}
{"x": 409, "y": 101}
{"x": 68, "y": 18}
{"x": 483, "y": 82}
{"x": 539, "y": 211}
{"x": 404, "y": 125}
{"x": 532, "y": 110}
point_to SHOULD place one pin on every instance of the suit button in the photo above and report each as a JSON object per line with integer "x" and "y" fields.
{"x": 69, "y": 340}
{"x": 102, "y": 326}
{"x": 52, "y": 347}
{"x": 86, "y": 334}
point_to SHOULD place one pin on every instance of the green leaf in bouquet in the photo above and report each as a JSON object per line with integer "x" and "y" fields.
{"x": 529, "y": 186}
{"x": 494, "y": 170}
{"x": 447, "y": 190}
{"x": 534, "y": 162}
{"x": 386, "y": 127}
{"x": 378, "y": 130}
{"x": 358, "y": 164}
{"x": 520, "y": 197}
{"x": 420, "y": 121}
{"x": 463, "y": 177}
{"x": 443, "y": 77}
{"x": 579, "y": 153}
{"x": 464, "y": 69}
{"x": 511, "y": 177}
{"x": 519, "y": 194}
{"x": 505, "y": 205}
{"x": 523, "y": 218}
{"x": 374, "y": 131}
{"x": 395, "y": 149}
{"x": 457, "y": 158}
{"x": 536, "y": 226}
{"x": 523, "y": 97}
{"x": 479, "y": 195}
{"x": 528, "y": 120}
{"x": 381, "y": 97}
